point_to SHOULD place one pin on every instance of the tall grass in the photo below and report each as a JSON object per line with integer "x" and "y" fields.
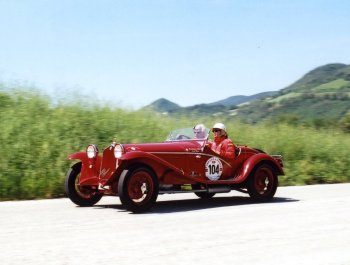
{"x": 310, "y": 156}
{"x": 36, "y": 136}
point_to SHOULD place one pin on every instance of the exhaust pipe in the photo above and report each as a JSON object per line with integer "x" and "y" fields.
{"x": 219, "y": 189}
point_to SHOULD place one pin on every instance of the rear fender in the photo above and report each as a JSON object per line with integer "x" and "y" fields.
{"x": 252, "y": 162}
{"x": 90, "y": 168}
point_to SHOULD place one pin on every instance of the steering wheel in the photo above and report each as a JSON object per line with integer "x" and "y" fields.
{"x": 182, "y": 137}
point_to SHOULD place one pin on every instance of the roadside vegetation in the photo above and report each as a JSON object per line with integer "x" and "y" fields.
{"x": 36, "y": 135}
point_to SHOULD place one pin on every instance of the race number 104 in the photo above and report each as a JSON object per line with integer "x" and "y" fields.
{"x": 213, "y": 168}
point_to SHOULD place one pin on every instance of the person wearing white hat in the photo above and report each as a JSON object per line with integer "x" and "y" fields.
{"x": 222, "y": 145}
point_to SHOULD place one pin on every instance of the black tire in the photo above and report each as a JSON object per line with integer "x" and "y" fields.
{"x": 205, "y": 195}
{"x": 138, "y": 189}
{"x": 262, "y": 183}
{"x": 82, "y": 196}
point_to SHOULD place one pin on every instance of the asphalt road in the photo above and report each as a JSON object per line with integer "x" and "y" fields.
{"x": 302, "y": 225}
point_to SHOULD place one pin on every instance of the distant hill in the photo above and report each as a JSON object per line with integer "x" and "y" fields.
{"x": 324, "y": 75}
{"x": 163, "y": 105}
{"x": 236, "y": 100}
{"x": 322, "y": 94}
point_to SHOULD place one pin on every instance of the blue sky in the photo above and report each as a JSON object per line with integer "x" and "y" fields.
{"x": 134, "y": 52}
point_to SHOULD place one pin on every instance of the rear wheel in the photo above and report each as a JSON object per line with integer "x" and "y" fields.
{"x": 138, "y": 189}
{"x": 80, "y": 195}
{"x": 262, "y": 183}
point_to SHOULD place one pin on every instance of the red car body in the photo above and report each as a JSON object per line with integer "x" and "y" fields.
{"x": 137, "y": 173}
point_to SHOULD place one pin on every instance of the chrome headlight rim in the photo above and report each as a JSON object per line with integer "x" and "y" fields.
{"x": 118, "y": 151}
{"x": 91, "y": 151}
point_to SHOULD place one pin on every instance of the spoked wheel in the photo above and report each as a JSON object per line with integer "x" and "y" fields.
{"x": 262, "y": 183}
{"x": 82, "y": 196}
{"x": 138, "y": 189}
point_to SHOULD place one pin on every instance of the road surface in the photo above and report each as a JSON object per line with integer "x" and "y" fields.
{"x": 302, "y": 225}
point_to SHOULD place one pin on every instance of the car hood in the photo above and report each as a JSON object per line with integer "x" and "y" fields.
{"x": 176, "y": 146}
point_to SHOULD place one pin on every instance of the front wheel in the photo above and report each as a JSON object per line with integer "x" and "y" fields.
{"x": 262, "y": 183}
{"x": 82, "y": 196}
{"x": 138, "y": 189}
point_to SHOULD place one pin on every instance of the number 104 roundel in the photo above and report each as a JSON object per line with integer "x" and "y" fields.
{"x": 213, "y": 168}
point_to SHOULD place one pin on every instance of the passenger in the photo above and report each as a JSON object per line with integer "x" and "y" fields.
{"x": 222, "y": 145}
{"x": 199, "y": 131}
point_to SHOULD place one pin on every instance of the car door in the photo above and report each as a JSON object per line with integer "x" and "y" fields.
{"x": 208, "y": 165}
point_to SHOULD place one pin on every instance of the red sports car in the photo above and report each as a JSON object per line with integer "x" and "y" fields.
{"x": 137, "y": 173}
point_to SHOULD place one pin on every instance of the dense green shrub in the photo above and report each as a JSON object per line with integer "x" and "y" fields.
{"x": 311, "y": 156}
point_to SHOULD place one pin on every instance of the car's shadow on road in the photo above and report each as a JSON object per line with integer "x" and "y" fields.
{"x": 199, "y": 204}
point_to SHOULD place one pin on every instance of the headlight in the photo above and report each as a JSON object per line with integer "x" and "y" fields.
{"x": 118, "y": 151}
{"x": 91, "y": 151}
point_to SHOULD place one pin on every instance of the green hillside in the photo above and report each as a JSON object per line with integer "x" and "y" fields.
{"x": 322, "y": 95}
{"x": 222, "y": 106}
{"x": 331, "y": 75}
{"x": 161, "y": 105}
{"x": 320, "y": 98}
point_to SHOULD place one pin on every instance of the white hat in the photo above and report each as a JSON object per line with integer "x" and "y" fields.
{"x": 220, "y": 126}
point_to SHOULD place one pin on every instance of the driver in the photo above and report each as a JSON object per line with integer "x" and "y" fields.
{"x": 199, "y": 131}
{"x": 222, "y": 145}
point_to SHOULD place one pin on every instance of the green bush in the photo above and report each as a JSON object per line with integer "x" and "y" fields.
{"x": 310, "y": 156}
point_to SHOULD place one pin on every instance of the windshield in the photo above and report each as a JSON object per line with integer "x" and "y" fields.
{"x": 187, "y": 134}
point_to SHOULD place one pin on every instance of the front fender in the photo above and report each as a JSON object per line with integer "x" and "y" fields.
{"x": 251, "y": 163}
{"x": 155, "y": 162}
{"x": 78, "y": 156}
{"x": 90, "y": 168}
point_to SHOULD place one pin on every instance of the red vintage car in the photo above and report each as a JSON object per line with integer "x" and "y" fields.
{"x": 137, "y": 173}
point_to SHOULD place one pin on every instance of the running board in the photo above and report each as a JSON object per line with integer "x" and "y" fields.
{"x": 211, "y": 189}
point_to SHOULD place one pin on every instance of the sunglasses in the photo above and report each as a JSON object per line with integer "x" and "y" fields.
{"x": 216, "y": 130}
